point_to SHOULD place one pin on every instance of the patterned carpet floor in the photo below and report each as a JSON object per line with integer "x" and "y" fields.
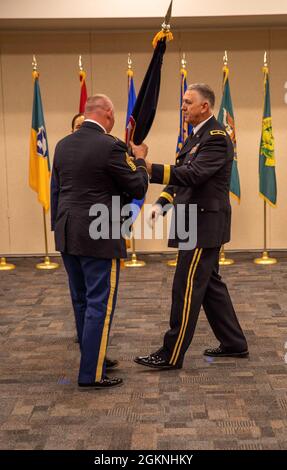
{"x": 209, "y": 404}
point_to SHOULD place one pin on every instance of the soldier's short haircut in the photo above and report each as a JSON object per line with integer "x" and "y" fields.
{"x": 97, "y": 100}
{"x": 205, "y": 91}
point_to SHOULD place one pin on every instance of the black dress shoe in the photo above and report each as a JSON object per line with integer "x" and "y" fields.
{"x": 220, "y": 352}
{"x": 111, "y": 363}
{"x": 156, "y": 362}
{"x": 106, "y": 382}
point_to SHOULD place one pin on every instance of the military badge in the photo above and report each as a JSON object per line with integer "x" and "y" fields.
{"x": 218, "y": 132}
{"x": 130, "y": 162}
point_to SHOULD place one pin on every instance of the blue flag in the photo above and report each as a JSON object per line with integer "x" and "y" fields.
{"x": 184, "y": 128}
{"x": 137, "y": 203}
{"x": 131, "y": 96}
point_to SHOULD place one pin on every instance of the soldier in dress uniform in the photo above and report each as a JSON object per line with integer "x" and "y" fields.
{"x": 200, "y": 176}
{"x": 77, "y": 122}
{"x": 90, "y": 168}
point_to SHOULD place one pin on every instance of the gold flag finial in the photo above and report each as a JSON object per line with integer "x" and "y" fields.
{"x": 80, "y": 63}
{"x": 130, "y": 68}
{"x": 225, "y": 58}
{"x": 183, "y": 61}
{"x": 34, "y": 64}
{"x": 265, "y": 59}
{"x": 130, "y": 62}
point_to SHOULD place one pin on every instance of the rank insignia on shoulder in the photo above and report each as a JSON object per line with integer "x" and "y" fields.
{"x": 218, "y": 132}
{"x": 113, "y": 137}
{"x": 130, "y": 162}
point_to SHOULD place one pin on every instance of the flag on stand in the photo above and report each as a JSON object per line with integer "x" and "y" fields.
{"x": 267, "y": 175}
{"x": 83, "y": 93}
{"x": 184, "y": 128}
{"x": 39, "y": 164}
{"x": 226, "y": 118}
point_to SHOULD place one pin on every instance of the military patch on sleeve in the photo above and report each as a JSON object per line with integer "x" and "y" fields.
{"x": 217, "y": 132}
{"x": 130, "y": 162}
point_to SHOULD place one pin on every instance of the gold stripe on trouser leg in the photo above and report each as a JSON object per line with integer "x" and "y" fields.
{"x": 185, "y": 303}
{"x": 104, "y": 340}
{"x": 188, "y": 307}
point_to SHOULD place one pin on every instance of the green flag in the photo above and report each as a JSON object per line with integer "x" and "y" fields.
{"x": 267, "y": 175}
{"x": 226, "y": 118}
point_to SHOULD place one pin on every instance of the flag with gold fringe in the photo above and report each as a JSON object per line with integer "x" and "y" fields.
{"x": 267, "y": 175}
{"x": 145, "y": 106}
{"x": 184, "y": 128}
{"x": 39, "y": 165}
{"x": 226, "y": 118}
{"x": 83, "y": 92}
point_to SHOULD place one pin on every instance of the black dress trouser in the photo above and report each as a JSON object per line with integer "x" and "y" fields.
{"x": 197, "y": 282}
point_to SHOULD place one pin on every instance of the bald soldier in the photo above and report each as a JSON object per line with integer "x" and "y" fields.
{"x": 91, "y": 168}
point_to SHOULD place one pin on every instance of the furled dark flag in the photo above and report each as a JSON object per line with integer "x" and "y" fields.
{"x": 144, "y": 109}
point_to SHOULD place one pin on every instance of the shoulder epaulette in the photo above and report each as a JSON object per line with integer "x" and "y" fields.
{"x": 113, "y": 137}
{"x": 118, "y": 141}
{"x": 217, "y": 132}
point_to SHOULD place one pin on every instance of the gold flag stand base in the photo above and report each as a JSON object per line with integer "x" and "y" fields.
{"x": 172, "y": 262}
{"x": 225, "y": 261}
{"x": 47, "y": 264}
{"x": 134, "y": 262}
{"x": 265, "y": 259}
{"x": 6, "y": 266}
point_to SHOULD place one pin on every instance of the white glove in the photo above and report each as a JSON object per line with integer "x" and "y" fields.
{"x": 154, "y": 214}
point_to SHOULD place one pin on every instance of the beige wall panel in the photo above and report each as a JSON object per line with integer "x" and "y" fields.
{"x": 4, "y": 221}
{"x": 57, "y": 56}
